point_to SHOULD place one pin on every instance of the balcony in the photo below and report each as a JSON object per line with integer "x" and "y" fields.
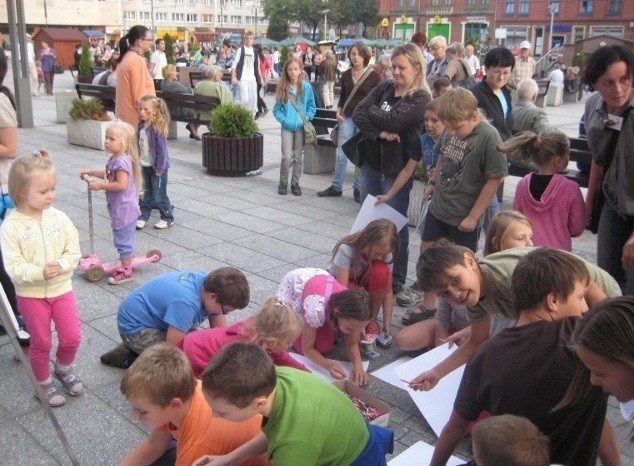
{"x": 438, "y": 10}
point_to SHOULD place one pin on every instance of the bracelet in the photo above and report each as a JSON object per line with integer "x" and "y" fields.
{"x": 431, "y": 182}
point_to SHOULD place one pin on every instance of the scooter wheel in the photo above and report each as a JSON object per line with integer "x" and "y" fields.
{"x": 154, "y": 252}
{"x": 94, "y": 273}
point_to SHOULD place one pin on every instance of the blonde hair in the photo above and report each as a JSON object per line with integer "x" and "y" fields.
{"x": 499, "y": 227}
{"x": 169, "y": 69}
{"x": 275, "y": 322}
{"x": 24, "y": 170}
{"x": 458, "y": 105}
{"x": 282, "y": 94}
{"x": 414, "y": 55}
{"x": 128, "y": 137}
{"x": 437, "y": 41}
{"x": 540, "y": 148}
{"x": 161, "y": 118}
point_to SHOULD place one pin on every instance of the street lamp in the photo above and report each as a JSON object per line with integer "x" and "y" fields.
{"x": 325, "y": 13}
{"x": 553, "y": 8}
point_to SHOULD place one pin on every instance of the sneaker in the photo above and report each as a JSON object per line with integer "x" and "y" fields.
{"x": 54, "y": 397}
{"x": 257, "y": 115}
{"x": 357, "y": 195}
{"x": 296, "y": 190}
{"x": 409, "y": 298}
{"x": 265, "y": 111}
{"x": 69, "y": 380}
{"x": 140, "y": 224}
{"x": 331, "y": 191}
{"x": 282, "y": 189}
{"x": 121, "y": 357}
{"x": 163, "y": 224}
{"x": 120, "y": 276}
{"x": 396, "y": 289}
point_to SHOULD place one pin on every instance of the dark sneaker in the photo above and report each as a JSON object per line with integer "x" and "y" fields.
{"x": 265, "y": 111}
{"x": 296, "y": 190}
{"x": 331, "y": 191}
{"x": 357, "y": 195}
{"x": 121, "y": 357}
{"x": 69, "y": 380}
{"x": 282, "y": 189}
{"x": 257, "y": 115}
{"x": 54, "y": 397}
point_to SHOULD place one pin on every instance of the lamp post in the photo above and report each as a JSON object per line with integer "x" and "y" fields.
{"x": 325, "y": 13}
{"x": 553, "y": 8}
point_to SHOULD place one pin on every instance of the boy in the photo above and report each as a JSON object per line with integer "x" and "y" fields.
{"x": 526, "y": 370}
{"x": 307, "y": 421}
{"x": 169, "y": 306}
{"x": 441, "y": 86}
{"x": 167, "y": 398}
{"x": 506, "y": 439}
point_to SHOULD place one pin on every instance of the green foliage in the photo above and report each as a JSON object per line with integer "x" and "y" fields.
{"x": 232, "y": 121}
{"x": 85, "y": 63}
{"x": 284, "y": 53}
{"x": 89, "y": 109}
{"x": 419, "y": 172}
{"x": 278, "y": 27}
{"x": 579, "y": 60}
{"x": 169, "y": 48}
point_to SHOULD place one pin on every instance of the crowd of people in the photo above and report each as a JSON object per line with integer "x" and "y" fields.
{"x": 517, "y": 310}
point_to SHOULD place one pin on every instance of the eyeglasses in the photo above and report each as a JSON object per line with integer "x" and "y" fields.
{"x": 150, "y": 39}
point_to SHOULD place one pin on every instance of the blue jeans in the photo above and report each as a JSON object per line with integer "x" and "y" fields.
{"x": 155, "y": 195}
{"x": 347, "y": 129}
{"x": 614, "y": 231}
{"x": 373, "y": 182}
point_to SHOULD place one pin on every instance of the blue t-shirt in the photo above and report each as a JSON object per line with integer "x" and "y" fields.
{"x": 172, "y": 300}
{"x": 430, "y": 156}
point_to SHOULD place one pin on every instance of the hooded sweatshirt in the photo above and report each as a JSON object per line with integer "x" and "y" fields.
{"x": 558, "y": 216}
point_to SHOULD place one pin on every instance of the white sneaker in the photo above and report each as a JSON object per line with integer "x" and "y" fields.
{"x": 140, "y": 224}
{"x": 163, "y": 224}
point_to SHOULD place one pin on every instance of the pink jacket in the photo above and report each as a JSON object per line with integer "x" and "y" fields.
{"x": 200, "y": 346}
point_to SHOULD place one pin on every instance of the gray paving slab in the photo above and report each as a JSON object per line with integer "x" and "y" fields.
{"x": 219, "y": 221}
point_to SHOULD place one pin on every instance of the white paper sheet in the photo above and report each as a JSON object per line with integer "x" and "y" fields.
{"x": 436, "y": 404}
{"x": 420, "y": 454}
{"x": 388, "y": 373}
{"x": 323, "y": 373}
{"x": 370, "y": 212}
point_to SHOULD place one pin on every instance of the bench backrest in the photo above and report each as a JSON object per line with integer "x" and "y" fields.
{"x": 542, "y": 86}
{"x": 325, "y": 118}
{"x": 107, "y": 94}
{"x": 195, "y": 77}
{"x": 579, "y": 150}
{"x": 196, "y": 102}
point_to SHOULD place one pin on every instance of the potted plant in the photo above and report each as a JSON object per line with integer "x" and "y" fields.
{"x": 87, "y": 124}
{"x": 85, "y": 65}
{"x": 234, "y": 146}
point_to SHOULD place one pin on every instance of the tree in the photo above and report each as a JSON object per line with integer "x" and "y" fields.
{"x": 366, "y": 12}
{"x": 85, "y": 63}
{"x": 169, "y": 48}
{"x": 277, "y": 27}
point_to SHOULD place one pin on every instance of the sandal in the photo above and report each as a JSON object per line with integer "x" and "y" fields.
{"x": 417, "y": 314}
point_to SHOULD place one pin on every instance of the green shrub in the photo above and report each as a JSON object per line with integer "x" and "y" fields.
{"x": 89, "y": 109}
{"x": 85, "y": 63}
{"x": 232, "y": 121}
{"x": 284, "y": 54}
{"x": 169, "y": 48}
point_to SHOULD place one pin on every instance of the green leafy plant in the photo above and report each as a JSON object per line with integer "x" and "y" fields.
{"x": 169, "y": 48}
{"x": 284, "y": 53}
{"x": 419, "y": 172}
{"x": 90, "y": 109}
{"x": 232, "y": 121}
{"x": 85, "y": 63}
{"x": 579, "y": 60}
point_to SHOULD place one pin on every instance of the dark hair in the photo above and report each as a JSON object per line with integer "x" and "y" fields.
{"x": 4, "y": 66}
{"x": 603, "y": 58}
{"x": 350, "y": 304}
{"x": 434, "y": 262}
{"x": 544, "y": 271}
{"x": 239, "y": 373}
{"x": 419, "y": 38}
{"x": 499, "y": 56}
{"x": 159, "y": 40}
{"x": 135, "y": 33}
{"x": 440, "y": 83}
{"x": 112, "y": 62}
{"x": 229, "y": 285}
{"x": 363, "y": 50}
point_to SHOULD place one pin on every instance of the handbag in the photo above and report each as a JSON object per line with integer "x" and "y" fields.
{"x": 334, "y": 134}
{"x": 310, "y": 135}
{"x": 353, "y": 148}
{"x": 468, "y": 83}
{"x": 58, "y": 69}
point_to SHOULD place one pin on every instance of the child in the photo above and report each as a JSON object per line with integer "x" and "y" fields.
{"x": 327, "y": 307}
{"x": 295, "y": 104}
{"x": 526, "y": 370}
{"x": 120, "y": 180}
{"x": 40, "y": 246}
{"x": 552, "y": 202}
{"x": 40, "y": 76}
{"x": 308, "y": 421}
{"x": 441, "y": 86}
{"x": 169, "y": 306}
{"x": 506, "y": 439}
{"x": 364, "y": 259}
{"x": 508, "y": 229}
{"x": 166, "y": 397}
{"x": 152, "y": 134}
{"x": 274, "y": 328}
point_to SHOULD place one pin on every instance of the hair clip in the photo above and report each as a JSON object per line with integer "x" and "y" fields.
{"x": 280, "y": 303}
{"x": 37, "y": 153}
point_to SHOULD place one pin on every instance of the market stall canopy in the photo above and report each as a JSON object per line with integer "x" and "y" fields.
{"x": 94, "y": 33}
{"x": 351, "y": 42}
{"x": 266, "y": 42}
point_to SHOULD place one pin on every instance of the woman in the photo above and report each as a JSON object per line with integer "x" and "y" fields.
{"x": 170, "y": 83}
{"x": 359, "y": 57}
{"x": 457, "y": 68}
{"x": 610, "y": 72}
{"x": 48, "y": 57}
{"x": 391, "y": 119}
{"x": 133, "y": 75}
{"x": 265, "y": 66}
{"x": 438, "y": 49}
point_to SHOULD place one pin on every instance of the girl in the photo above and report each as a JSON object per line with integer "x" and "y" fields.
{"x": 274, "y": 328}
{"x": 120, "y": 181}
{"x": 294, "y": 96}
{"x": 152, "y": 134}
{"x": 40, "y": 76}
{"x": 265, "y": 67}
{"x": 327, "y": 307}
{"x": 552, "y": 202}
{"x": 508, "y": 229}
{"x": 364, "y": 259}
{"x": 41, "y": 249}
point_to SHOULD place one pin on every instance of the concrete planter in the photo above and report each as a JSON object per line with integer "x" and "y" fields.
{"x": 87, "y": 133}
{"x": 232, "y": 156}
{"x": 63, "y": 104}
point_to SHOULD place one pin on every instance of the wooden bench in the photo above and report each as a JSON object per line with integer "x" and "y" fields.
{"x": 579, "y": 152}
{"x": 196, "y": 76}
{"x": 106, "y": 94}
{"x": 321, "y": 159}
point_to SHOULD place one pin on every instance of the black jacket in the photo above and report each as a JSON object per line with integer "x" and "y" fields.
{"x": 492, "y": 108}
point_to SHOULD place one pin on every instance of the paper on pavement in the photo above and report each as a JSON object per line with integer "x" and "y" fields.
{"x": 369, "y": 211}
{"x": 388, "y": 373}
{"x": 323, "y": 373}
{"x": 420, "y": 453}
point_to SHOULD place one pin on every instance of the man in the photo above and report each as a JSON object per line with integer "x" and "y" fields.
{"x": 245, "y": 73}
{"x": 158, "y": 60}
{"x": 30, "y": 55}
{"x": 526, "y": 116}
{"x": 524, "y": 65}
{"x": 471, "y": 59}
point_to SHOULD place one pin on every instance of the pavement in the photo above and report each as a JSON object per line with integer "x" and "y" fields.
{"x": 220, "y": 221}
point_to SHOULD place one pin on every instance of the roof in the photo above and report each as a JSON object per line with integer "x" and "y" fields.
{"x": 63, "y": 34}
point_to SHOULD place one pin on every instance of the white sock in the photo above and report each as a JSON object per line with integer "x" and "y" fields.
{"x": 49, "y": 380}
{"x": 61, "y": 368}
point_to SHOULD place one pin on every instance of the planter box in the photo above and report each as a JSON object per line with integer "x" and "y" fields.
{"x": 232, "y": 156}
{"x": 87, "y": 133}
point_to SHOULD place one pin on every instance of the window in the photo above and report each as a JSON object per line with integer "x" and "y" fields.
{"x": 178, "y": 17}
{"x": 524, "y": 6}
{"x": 145, "y": 16}
{"x": 447, "y": 2}
{"x": 179, "y": 2}
{"x": 161, "y": 17}
{"x": 614, "y": 8}
{"x": 223, "y": 19}
{"x": 510, "y": 7}
{"x": 207, "y": 19}
{"x": 236, "y": 19}
{"x": 249, "y": 20}
{"x": 579, "y": 33}
{"x": 209, "y": 2}
{"x": 400, "y": 3}
{"x": 130, "y": 15}
{"x": 434, "y": 2}
{"x": 470, "y": 2}
{"x": 611, "y": 31}
{"x": 412, "y": 3}
{"x": 191, "y": 18}
{"x": 485, "y": 2}
{"x": 586, "y": 7}
{"x": 191, "y": 2}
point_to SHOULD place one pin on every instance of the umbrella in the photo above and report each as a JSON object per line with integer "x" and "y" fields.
{"x": 266, "y": 42}
{"x": 297, "y": 40}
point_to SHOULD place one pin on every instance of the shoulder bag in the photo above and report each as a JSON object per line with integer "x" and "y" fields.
{"x": 310, "y": 135}
{"x": 469, "y": 82}
{"x": 334, "y": 134}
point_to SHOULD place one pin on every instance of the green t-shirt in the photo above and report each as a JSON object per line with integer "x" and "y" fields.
{"x": 312, "y": 423}
{"x": 497, "y": 270}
